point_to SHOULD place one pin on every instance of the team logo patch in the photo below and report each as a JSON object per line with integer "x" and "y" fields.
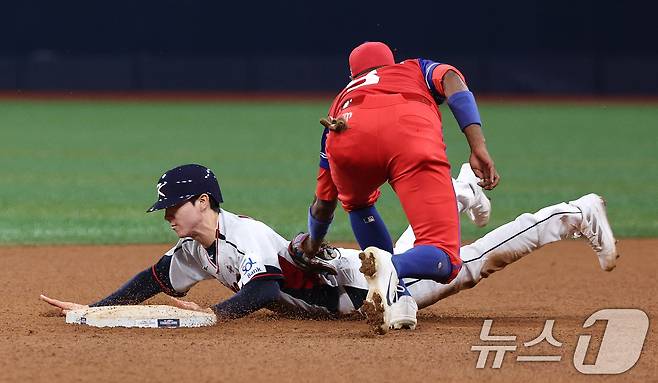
{"x": 250, "y": 266}
{"x": 247, "y": 265}
{"x": 159, "y": 186}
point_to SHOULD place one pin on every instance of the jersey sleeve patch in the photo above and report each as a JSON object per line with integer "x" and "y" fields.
{"x": 253, "y": 267}
{"x": 437, "y": 77}
{"x": 433, "y": 73}
{"x": 427, "y": 67}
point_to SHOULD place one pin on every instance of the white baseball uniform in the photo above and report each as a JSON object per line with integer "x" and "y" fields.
{"x": 245, "y": 250}
{"x": 497, "y": 249}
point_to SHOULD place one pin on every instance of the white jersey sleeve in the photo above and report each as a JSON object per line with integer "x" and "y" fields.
{"x": 185, "y": 269}
{"x": 261, "y": 247}
{"x": 250, "y": 245}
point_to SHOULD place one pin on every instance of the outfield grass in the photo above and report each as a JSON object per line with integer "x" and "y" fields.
{"x": 85, "y": 172}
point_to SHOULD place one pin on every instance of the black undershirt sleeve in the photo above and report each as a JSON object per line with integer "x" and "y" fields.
{"x": 143, "y": 286}
{"x": 255, "y": 295}
{"x": 357, "y": 296}
{"x": 140, "y": 288}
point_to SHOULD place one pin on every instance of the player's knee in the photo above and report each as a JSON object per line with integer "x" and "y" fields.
{"x": 527, "y": 219}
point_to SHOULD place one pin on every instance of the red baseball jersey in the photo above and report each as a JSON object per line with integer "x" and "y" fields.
{"x": 416, "y": 78}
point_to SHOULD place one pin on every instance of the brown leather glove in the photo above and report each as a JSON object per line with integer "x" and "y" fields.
{"x": 318, "y": 263}
{"x": 334, "y": 124}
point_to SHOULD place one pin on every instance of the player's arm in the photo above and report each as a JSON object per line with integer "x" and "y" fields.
{"x": 138, "y": 289}
{"x": 449, "y": 84}
{"x": 320, "y": 216}
{"x": 256, "y": 294}
{"x": 143, "y": 286}
{"x": 321, "y": 212}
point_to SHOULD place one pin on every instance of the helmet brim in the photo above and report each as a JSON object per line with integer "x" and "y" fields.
{"x": 168, "y": 202}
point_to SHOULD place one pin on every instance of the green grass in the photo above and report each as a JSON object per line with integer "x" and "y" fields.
{"x": 85, "y": 172}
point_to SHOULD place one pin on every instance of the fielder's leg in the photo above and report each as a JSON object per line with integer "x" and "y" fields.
{"x": 471, "y": 201}
{"x": 429, "y": 202}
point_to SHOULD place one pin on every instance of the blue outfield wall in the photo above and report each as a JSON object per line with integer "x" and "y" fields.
{"x": 523, "y": 74}
{"x": 515, "y": 46}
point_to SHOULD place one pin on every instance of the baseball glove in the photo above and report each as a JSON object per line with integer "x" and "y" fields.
{"x": 318, "y": 263}
{"x": 335, "y": 124}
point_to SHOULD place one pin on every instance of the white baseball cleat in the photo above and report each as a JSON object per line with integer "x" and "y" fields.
{"x": 480, "y": 209}
{"x": 382, "y": 280}
{"x": 403, "y": 313}
{"x": 596, "y": 228}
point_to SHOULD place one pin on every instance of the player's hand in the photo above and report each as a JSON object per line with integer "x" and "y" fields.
{"x": 483, "y": 167}
{"x": 310, "y": 259}
{"x": 63, "y": 306}
{"x": 189, "y": 305}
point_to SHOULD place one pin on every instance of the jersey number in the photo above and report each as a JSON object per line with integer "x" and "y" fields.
{"x": 369, "y": 79}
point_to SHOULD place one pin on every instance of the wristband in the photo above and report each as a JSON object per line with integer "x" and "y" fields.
{"x": 316, "y": 228}
{"x": 463, "y": 107}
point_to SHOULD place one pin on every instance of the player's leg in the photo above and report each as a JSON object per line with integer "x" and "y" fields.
{"x": 358, "y": 170}
{"x": 402, "y": 312}
{"x": 419, "y": 173}
{"x": 369, "y": 228}
{"x": 471, "y": 201}
{"x": 429, "y": 203}
{"x": 528, "y": 232}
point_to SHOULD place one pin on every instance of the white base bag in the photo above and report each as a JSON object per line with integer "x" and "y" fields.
{"x": 145, "y": 316}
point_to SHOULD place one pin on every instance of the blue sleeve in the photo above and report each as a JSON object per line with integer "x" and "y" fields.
{"x": 427, "y": 67}
{"x": 324, "y": 162}
{"x": 255, "y": 295}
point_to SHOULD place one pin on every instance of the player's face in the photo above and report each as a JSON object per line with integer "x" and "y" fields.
{"x": 184, "y": 218}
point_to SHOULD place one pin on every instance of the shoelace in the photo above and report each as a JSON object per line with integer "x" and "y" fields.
{"x": 593, "y": 237}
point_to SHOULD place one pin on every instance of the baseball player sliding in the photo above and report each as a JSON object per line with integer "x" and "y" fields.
{"x": 267, "y": 271}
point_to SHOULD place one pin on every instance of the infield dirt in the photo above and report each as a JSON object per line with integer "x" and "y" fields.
{"x": 561, "y": 282}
